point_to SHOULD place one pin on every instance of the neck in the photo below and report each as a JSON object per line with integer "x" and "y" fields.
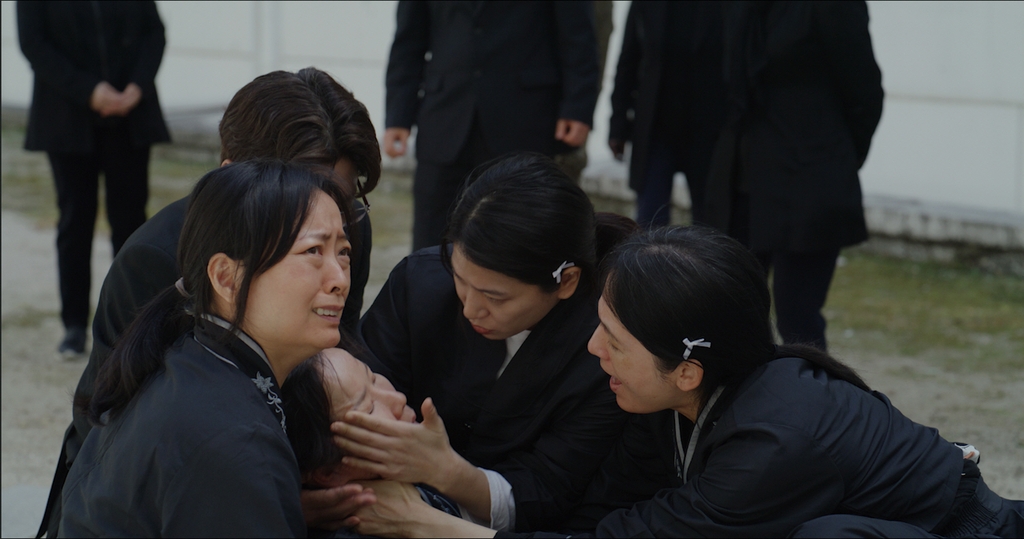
{"x": 689, "y": 407}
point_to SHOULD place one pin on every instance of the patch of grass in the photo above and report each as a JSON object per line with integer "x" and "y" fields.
{"x": 960, "y": 316}
{"x": 27, "y": 318}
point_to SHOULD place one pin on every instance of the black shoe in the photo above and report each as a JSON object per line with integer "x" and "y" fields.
{"x": 73, "y": 343}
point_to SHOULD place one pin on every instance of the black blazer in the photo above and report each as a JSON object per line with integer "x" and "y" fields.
{"x": 63, "y": 44}
{"x": 520, "y": 66}
{"x": 199, "y": 452}
{"x": 145, "y": 266}
{"x": 787, "y": 445}
{"x": 638, "y": 79}
{"x": 805, "y": 99}
{"x": 545, "y": 425}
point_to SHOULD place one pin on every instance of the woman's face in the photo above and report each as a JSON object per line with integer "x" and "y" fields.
{"x": 294, "y": 308}
{"x": 351, "y": 385}
{"x": 498, "y": 306}
{"x": 639, "y": 386}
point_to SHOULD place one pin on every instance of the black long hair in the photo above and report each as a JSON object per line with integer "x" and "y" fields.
{"x": 307, "y": 404}
{"x": 251, "y": 211}
{"x": 672, "y": 283}
{"x": 521, "y": 216}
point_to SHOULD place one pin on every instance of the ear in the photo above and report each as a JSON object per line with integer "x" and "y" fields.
{"x": 570, "y": 281}
{"x": 225, "y": 162}
{"x": 688, "y": 376}
{"x": 224, "y": 272}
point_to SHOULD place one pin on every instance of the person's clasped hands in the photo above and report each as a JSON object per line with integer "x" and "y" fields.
{"x": 107, "y": 101}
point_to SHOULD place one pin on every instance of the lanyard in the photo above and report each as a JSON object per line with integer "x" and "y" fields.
{"x": 687, "y": 456}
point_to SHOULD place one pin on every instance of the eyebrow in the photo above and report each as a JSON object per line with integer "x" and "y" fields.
{"x": 481, "y": 290}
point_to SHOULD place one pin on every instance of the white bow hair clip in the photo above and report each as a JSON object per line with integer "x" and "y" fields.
{"x": 690, "y": 344}
{"x": 557, "y": 274}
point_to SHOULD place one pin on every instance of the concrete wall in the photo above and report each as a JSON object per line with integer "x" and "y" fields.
{"x": 951, "y": 135}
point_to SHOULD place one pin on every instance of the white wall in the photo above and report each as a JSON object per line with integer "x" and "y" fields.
{"x": 952, "y": 132}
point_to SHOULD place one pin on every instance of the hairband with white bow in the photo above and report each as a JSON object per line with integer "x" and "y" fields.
{"x": 690, "y": 344}
{"x": 557, "y": 274}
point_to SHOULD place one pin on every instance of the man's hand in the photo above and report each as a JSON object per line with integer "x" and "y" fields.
{"x": 104, "y": 98}
{"x": 107, "y": 101}
{"x": 327, "y": 509}
{"x": 618, "y": 148}
{"x": 571, "y": 132}
{"x": 396, "y": 141}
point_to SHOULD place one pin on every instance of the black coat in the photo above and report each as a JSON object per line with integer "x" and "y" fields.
{"x": 69, "y": 57}
{"x": 545, "y": 425}
{"x": 638, "y": 80}
{"x": 805, "y": 99}
{"x": 145, "y": 266}
{"x": 788, "y": 445}
{"x": 199, "y": 452}
{"x": 520, "y": 66}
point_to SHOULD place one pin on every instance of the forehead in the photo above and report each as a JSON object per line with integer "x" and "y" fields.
{"x": 484, "y": 279}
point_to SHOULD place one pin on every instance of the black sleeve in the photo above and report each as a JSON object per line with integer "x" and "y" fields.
{"x": 634, "y": 471}
{"x": 48, "y": 63}
{"x": 360, "y": 274}
{"x": 405, "y": 63}
{"x": 843, "y": 30}
{"x": 151, "y": 50}
{"x": 624, "y": 93}
{"x": 384, "y": 330}
{"x": 759, "y": 482}
{"x": 550, "y": 477}
{"x": 241, "y": 483}
{"x": 138, "y": 273}
{"x": 577, "y": 53}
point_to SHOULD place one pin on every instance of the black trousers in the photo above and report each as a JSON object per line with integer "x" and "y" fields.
{"x": 800, "y": 282}
{"x": 76, "y": 176}
{"x": 436, "y": 187}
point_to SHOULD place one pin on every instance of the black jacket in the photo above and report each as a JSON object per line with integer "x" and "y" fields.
{"x": 145, "y": 266}
{"x": 805, "y": 99}
{"x": 545, "y": 425}
{"x": 639, "y": 79}
{"x": 70, "y": 55}
{"x": 199, "y": 452}
{"x": 788, "y": 445}
{"x": 520, "y": 66}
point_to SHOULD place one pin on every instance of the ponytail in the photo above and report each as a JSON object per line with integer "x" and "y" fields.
{"x": 138, "y": 354}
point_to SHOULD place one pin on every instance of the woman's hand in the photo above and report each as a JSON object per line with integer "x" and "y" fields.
{"x": 401, "y": 512}
{"x": 409, "y": 452}
{"x": 327, "y": 509}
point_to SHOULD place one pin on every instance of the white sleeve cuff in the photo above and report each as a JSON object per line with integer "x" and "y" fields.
{"x": 503, "y": 504}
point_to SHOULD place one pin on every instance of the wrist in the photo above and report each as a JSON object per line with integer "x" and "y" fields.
{"x": 454, "y": 471}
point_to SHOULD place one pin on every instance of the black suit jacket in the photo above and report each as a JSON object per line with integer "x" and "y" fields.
{"x": 520, "y": 66}
{"x": 805, "y": 99}
{"x": 787, "y": 445}
{"x": 545, "y": 425}
{"x": 639, "y": 73}
{"x": 145, "y": 266}
{"x": 70, "y": 56}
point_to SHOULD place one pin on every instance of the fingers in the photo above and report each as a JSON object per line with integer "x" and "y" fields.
{"x": 396, "y": 141}
{"x": 561, "y": 129}
{"x": 328, "y": 508}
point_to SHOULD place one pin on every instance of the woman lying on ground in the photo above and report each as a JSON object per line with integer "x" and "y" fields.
{"x": 321, "y": 390}
{"x": 741, "y": 437}
{"x": 192, "y": 434}
{"x": 489, "y": 331}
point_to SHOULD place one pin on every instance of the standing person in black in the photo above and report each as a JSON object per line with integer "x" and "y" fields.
{"x": 805, "y": 97}
{"x": 669, "y": 100}
{"x": 94, "y": 109}
{"x": 481, "y": 79}
{"x": 302, "y": 117}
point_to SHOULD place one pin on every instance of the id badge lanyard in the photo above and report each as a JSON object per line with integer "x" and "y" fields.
{"x": 687, "y": 456}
